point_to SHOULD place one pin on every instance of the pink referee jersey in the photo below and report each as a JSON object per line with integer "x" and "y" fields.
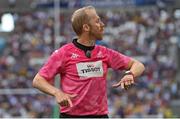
{"x": 84, "y": 76}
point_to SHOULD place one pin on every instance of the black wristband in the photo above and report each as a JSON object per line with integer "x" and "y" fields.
{"x": 129, "y": 73}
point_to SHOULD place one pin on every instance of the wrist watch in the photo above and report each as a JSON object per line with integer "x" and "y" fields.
{"x": 129, "y": 73}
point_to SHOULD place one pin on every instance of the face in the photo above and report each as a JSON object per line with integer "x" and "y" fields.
{"x": 96, "y": 26}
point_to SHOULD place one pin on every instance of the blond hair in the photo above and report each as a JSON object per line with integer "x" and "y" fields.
{"x": 79, "y": 18}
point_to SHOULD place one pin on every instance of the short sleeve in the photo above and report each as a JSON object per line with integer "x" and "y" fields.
{"x": 117, "y": 60}
{"x": 53, "y": 65}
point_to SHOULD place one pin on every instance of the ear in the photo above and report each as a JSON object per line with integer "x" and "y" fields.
{"x": 86, "y": 27}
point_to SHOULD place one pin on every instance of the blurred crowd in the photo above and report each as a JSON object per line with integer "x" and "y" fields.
{"x": 152, "y": 37}
{"x": 148, "y": 35}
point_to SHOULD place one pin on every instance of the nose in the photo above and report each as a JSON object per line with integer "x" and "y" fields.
{"x": 102, "y": 24}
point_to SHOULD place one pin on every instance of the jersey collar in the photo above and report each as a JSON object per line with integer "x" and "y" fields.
{"x": 82, "y": 47}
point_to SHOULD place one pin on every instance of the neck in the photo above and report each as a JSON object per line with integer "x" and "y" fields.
{"x": 86, "y": 41}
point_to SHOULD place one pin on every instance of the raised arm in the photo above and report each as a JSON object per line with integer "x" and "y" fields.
{"x": 135, "y": 68}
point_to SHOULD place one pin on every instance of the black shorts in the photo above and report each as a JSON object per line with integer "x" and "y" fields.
{"x": 64, "y": 115}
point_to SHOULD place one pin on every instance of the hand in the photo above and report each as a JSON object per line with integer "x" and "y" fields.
{"x": 64, "y": 99}
{"x": 125, "y": 82}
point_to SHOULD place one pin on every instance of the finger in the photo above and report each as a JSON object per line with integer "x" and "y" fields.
{"x": 126, "y": 83}
{"x": 70, "y": 102}
{"x": 132, "y": 81}
{"x": 116, "y": 85}
{"x": 122, "y": 85}
{"x": 129, "y": 82}
{"x": 60, "y": 101}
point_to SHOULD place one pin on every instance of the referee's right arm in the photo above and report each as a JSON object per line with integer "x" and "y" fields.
{"x": 43, "y": 85}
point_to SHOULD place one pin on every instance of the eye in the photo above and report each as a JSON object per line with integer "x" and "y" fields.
{"x": 98, "y": 21}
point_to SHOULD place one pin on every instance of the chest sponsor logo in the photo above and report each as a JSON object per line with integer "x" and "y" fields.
{"x": 90, "y": 69}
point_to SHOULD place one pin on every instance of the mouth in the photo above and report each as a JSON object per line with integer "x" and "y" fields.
{"x": 102, "y": 30}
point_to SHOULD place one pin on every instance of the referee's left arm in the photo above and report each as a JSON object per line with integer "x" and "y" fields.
{"x": 135, "y": 68}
